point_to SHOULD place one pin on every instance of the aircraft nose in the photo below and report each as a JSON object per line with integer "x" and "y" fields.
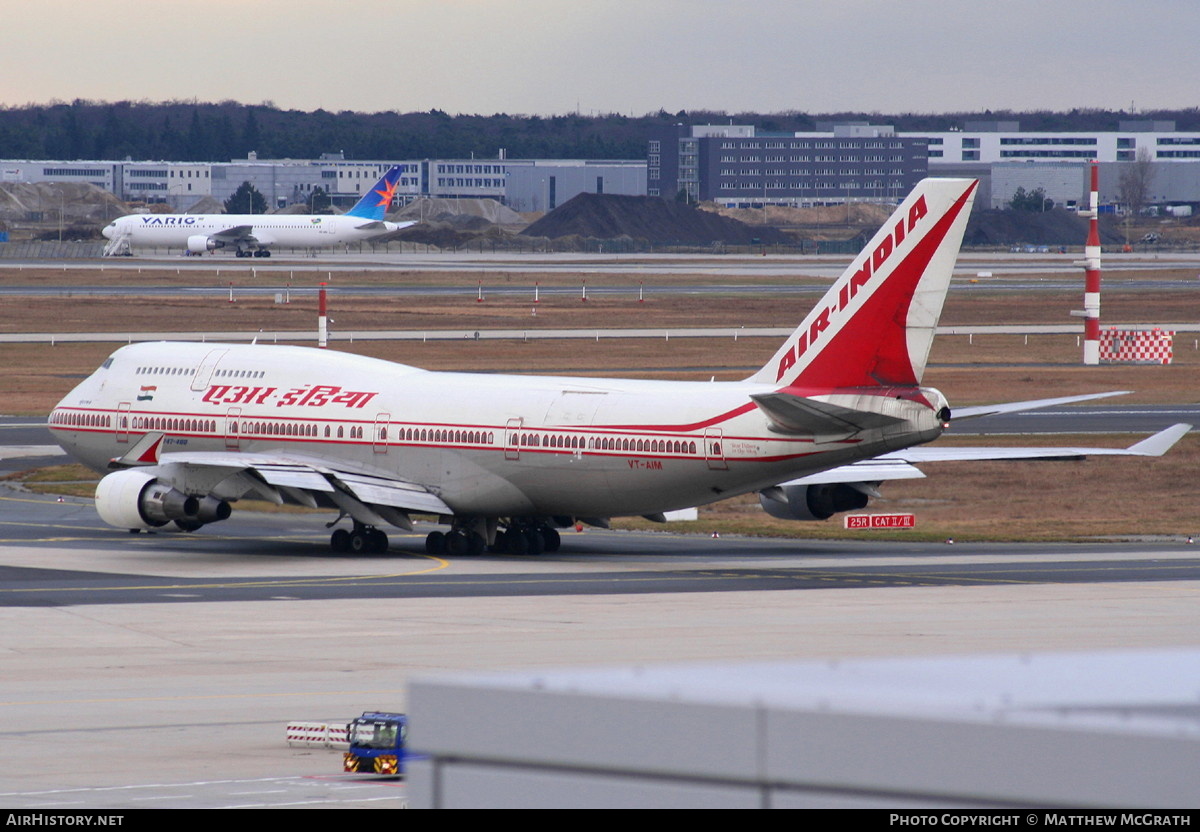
{"x": 107, "y": 231}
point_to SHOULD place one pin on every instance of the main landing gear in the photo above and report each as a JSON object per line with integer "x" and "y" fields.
{"x": 518, "y": 538}
{"x": 527, "y": 540}
{"x": 362, "y": 540}
{"x": 455, "y": 542}
{"x": 258, "y": 252}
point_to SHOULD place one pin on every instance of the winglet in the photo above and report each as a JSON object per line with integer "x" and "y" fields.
{"x": 1161, "y": 442}
{"x": 144, "y": 452}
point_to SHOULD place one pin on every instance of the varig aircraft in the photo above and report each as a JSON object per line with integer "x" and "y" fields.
{"x": 185, "y": 429}
{"x": 253, "y": 234}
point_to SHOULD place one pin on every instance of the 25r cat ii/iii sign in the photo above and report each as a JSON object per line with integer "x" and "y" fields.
{"x": 881, "y": 521}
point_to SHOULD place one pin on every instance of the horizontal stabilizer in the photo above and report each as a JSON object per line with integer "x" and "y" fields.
{"x": 797, "y": 414}
{"x": 1033, "y": 404}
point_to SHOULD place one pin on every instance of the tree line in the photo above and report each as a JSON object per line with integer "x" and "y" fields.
{"x": 190, "y": 131}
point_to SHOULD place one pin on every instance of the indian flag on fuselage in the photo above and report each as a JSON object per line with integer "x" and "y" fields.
{"x": 874, "y": 327}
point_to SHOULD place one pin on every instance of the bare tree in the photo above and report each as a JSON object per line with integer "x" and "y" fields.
{"x": 1133, "y": 187}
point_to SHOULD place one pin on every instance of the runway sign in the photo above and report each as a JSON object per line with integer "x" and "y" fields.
{"x": 881, "y": 521}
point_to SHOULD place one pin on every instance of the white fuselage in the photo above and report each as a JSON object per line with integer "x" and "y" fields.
{"x": 286, "y": 230}
{"x": 489, "y": 445}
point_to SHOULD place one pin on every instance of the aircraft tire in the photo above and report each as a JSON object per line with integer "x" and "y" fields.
{"x": 516, "y": 543}
{"x": 553, "y": 539}
{"x": 457, "y": 544}
{"x": 537, "y": 543}
{"x": 476, "y": 544}
{"x": 339, "y": 541}
{"x": 435, "y": 543}
{"x": 379, "y": 542}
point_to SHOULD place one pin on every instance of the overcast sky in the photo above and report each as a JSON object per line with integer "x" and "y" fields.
{"x": 606, "y": 56}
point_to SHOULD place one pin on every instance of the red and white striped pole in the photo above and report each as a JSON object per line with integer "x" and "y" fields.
{"x": 1091, "y": 266}
{"x": 322, "y": 320}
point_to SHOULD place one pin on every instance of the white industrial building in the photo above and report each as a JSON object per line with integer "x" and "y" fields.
{"x": 1006, "y": 157}
{"x": 527, "y": 184}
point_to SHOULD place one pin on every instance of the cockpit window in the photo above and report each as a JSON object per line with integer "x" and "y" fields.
{"x": 107, "y": 363}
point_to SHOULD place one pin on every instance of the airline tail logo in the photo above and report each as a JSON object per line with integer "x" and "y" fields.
{"x": 375, "y": 202}
{"x": 386, "y": 192}
{"x": 874, "y": 326}
{"x": 146, "y": 393}
{"x": 870, "y": 267}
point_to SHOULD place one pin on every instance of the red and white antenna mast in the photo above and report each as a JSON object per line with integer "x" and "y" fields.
{"x": 322, "y": 319}
{"x": 1091, "y": 271}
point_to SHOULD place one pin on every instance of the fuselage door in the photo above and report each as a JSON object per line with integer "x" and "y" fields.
{"x": 714, "y": 449}
{"x": 233, "y": 428}
{"x": 121, "y": 424}
{"x": 379, "y": 439}
{"x": 512, "y": 438}
{"x": 205, "y": 370}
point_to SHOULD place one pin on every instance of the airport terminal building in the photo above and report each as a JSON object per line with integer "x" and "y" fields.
{"x": 742, "y": 166}
{"x": 739, "y": 165}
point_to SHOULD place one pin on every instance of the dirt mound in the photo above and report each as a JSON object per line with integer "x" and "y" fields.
{"x": 208, "y": 205}
{"x": 449, "y": 235}
{"x": 488, "y": 209}
{"x": 606, "y": 216}
{"x": 1057, "y": 227}
{"x": 42, "y": 201}
{"x": 779, "y": 216}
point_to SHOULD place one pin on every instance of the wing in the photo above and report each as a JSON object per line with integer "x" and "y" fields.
{"x": 235, "y": 234}
{"x": 902, "y": 464}
{"x": 279, "y": 478}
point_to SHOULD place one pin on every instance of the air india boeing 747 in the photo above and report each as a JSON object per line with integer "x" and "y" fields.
{"x": 184, "y": 430}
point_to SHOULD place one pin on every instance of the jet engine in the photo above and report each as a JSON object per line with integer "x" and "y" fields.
{"x": 200, "y": 243}
{"x": 136, "y": 500}
{"x": 813, "y": 502}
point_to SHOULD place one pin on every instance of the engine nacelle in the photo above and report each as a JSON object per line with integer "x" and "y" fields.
{"x": 811, "y": 502}
{"x": 201, "y": 243}
{"x": 136, "y": 500}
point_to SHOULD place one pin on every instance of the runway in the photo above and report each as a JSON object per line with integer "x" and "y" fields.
{"x": 969, "y": 263}
{"x": 291, "y": 561}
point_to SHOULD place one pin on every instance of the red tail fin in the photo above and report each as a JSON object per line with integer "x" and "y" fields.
{"x": 875, "y": 325}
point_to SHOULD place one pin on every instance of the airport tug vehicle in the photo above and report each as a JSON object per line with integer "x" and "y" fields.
{"x": 377, "y": 743}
